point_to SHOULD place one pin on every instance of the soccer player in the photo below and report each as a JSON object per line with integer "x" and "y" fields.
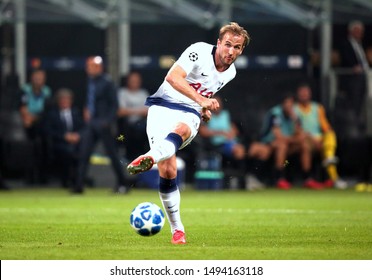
{"x": 183, "y": 99}
{"x": 321, "y": 135}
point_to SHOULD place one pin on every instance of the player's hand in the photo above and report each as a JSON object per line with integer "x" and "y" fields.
{"x": 210, "y": 104}
{"x": 206, "y": 115}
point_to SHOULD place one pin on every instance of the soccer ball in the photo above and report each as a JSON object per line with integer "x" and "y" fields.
{"x": 147, "y": 219}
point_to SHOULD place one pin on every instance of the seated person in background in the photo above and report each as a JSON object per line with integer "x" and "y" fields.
{"x": 223, "y": 133}
{"x": 283, "y": 136}
{"x": 223, "y": 136}
{"x": 63, "y": 125}
{"x": 35, "y": 97}
{"x": 132, "y": 115}
{"x": 320, "y": 133}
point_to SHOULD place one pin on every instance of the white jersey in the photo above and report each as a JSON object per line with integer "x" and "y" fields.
{"x": 198, "y": 63}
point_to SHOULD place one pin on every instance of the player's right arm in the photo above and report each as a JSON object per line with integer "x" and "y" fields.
{"x": 176, "y": 78}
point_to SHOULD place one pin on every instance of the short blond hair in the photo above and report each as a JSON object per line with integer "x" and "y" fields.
{"x": 236, "y": 29}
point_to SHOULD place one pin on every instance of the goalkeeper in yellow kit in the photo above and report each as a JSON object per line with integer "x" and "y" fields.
{"x": 321, "y": 135}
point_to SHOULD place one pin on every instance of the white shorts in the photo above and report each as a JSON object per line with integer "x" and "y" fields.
{"x": 161, "y": 121}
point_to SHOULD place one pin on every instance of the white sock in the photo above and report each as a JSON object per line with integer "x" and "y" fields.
{"x": 171, "y": 203}
{"x": 163, "y": 150}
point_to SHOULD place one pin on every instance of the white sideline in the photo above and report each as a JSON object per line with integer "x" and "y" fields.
{"x": 197, "y": 210}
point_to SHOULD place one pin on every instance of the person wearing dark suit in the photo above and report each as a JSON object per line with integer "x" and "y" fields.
{"x": 64, "y": 124}
{"x": 353, "y": 57}
{"x": 99, "y": 114}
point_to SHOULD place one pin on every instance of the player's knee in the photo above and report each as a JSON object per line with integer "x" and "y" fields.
{"x": 167, "y": 169}
{"x": 183, "y": 130}
{"x": 260, "y": 151}
{"x": 264, "y": 154}
{"x": 170, "y": 172}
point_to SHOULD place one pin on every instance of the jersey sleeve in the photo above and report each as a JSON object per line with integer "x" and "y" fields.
{"x": 190, "y": 58}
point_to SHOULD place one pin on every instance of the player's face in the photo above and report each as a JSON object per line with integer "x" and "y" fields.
{"x": 229, "y": 48}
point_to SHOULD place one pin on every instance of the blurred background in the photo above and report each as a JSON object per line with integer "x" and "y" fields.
{"x": 293, "y": 41}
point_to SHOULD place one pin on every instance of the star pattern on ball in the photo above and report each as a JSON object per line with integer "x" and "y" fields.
{"x": 193, "y": 56}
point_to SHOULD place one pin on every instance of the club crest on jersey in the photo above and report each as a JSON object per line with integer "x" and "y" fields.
{"x": 193, "y": 56}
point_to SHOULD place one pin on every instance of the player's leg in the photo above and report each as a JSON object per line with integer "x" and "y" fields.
{"x": 163, "y": 150}
{"x": 280, "y": 151}
{"x": 329, "y": 148}
{"x": 88, "y": 141}
{"x": 163, "y": 153}
{"x": 257, "y": 154}
{"x": 310, "y": 145}
{"x": 158, "y": 128}
{"x": 185, "y": 126}
{"x": 111, "y": 150}
{"x": 330, "y": 160}
{"x": 168, "y": 146}
{"x": 167, "y": 130}
{"x": 260, "y": 151}
{"x": 170, "y": 197}
{"x": 237, "y": 150}
{"x": 302, "y": 145}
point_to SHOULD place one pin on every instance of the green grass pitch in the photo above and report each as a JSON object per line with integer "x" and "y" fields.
{"x": 288, "y": 225}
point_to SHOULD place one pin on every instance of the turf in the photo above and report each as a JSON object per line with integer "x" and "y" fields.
{"x": 271, "y": 224}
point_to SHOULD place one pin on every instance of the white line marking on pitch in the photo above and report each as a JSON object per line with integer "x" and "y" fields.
{"x": 194, "y": 210}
